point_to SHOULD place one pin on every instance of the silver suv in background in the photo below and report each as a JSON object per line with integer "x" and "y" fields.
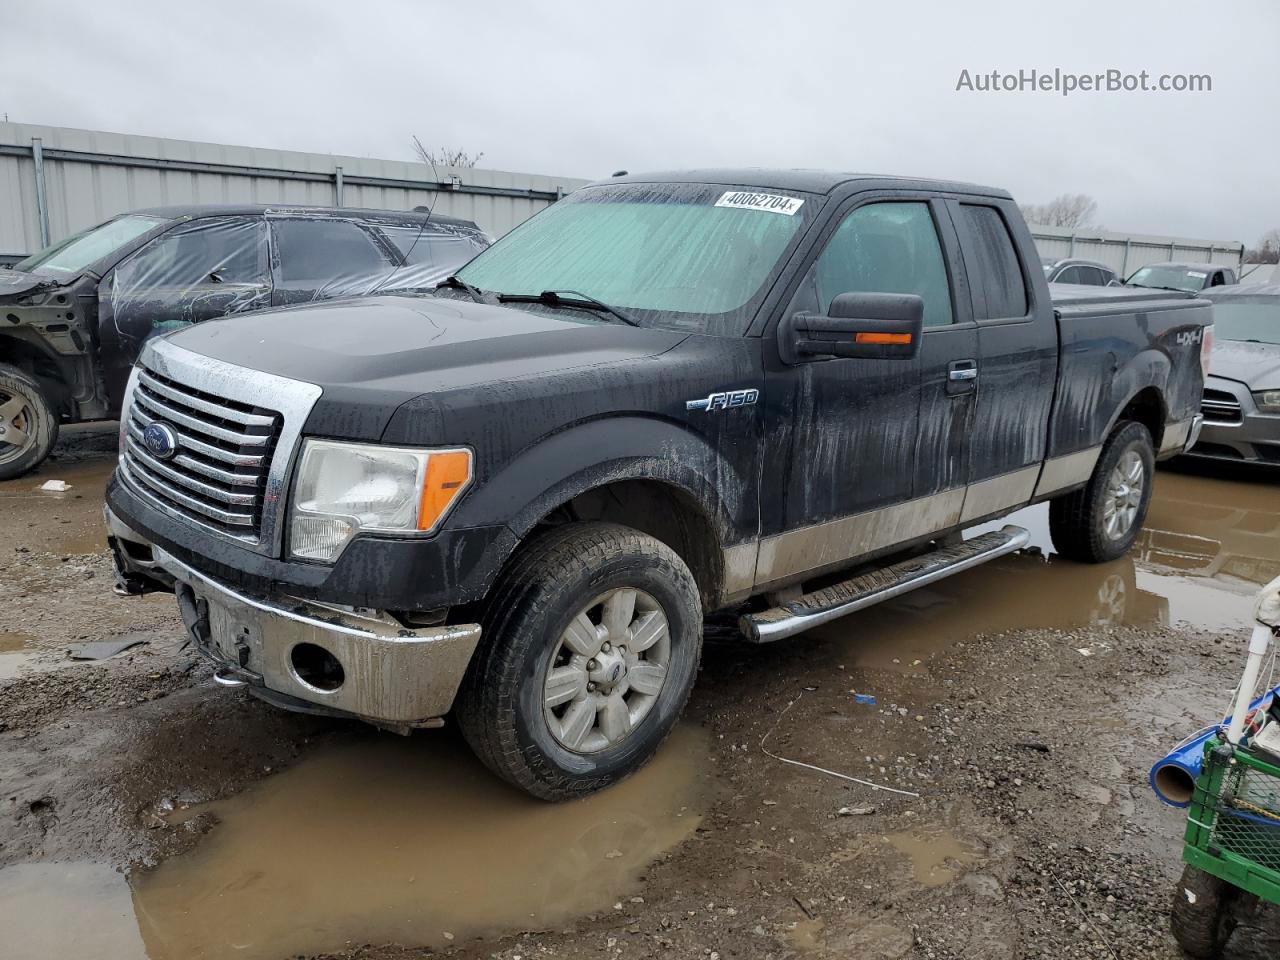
{"x": 1241, "y": 403}
{"x": 1090, "y": 273}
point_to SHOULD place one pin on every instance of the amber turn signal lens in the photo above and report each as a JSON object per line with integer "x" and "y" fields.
{"x": 882, "y": 338}
{"x": 448, "y": 474}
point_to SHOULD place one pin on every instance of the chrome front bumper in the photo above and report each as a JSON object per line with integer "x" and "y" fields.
{"x": 390, "y": 675}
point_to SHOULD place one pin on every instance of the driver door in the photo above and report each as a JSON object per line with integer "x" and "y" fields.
{"x": 843, "y": 435}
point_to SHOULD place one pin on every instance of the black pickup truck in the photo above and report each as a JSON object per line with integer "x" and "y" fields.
{"x": 515, "y": 500}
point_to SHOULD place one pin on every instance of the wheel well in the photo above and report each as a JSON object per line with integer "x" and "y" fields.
{"x": 41, "y": 365}
{"x": 1147, "y": 408}
{"x": 664, "y": 512}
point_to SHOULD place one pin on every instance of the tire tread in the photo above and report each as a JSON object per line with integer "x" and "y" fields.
{"x": 1072, "y": 517}
{"x": 490, "y": 689}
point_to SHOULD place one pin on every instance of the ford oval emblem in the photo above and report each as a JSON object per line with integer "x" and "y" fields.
{"x": 161, "y": 440}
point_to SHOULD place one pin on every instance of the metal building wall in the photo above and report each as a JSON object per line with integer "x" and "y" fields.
{"x": 90, "y": 175}
{"x": 1125, "y": 253}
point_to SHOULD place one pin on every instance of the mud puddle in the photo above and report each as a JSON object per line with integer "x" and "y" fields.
{"x": 1209, "y": 543}
{"x": 54, "y": 910}
{"x": 14, "y": 653}
{"x": 936, "y": 857}
{"x": 67, "y": 522}
{"x": 383, "y": 840}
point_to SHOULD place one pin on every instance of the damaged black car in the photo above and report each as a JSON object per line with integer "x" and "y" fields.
{"x": 74, "y": 317}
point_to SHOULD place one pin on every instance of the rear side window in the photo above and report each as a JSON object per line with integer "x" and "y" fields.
{"x": 1069, "y": 275}
{"x": 995, "y": 275}
{"x": 320, "y": 252}
{"x": 886, "y": 248}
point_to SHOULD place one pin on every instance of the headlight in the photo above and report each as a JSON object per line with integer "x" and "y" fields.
{"x": 346, "y": 488}
{"x": 1268, "y": 401}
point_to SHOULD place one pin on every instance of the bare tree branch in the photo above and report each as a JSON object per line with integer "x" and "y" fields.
{"x": 445, "y": 156}
{"x": 1267, "y": 250}
{"x": 1072, "y": 210}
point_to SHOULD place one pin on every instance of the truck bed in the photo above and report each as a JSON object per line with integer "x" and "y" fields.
{"x": 1111, "y": 340}
{"x": 1075, "y": 294}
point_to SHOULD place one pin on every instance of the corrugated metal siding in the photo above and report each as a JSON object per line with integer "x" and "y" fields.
{"x": 126, "y": 172}
{"x": 1125, "y": 253}
{"x": 87, "y": 191}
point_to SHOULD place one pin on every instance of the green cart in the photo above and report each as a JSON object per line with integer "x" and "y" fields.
{"x": 1232, "y": 847}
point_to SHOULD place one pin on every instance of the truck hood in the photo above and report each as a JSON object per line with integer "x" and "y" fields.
{"x": 1255, "y": 364}
{"x": 15, "y": 283}
{"x": 370, "y": 355}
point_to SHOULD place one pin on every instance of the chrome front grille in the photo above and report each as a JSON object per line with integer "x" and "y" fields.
{"x": 218, "y": 471}
{"x": 1220, "y": 406}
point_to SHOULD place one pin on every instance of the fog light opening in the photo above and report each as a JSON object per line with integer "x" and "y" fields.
{"x": 317, "y": 667}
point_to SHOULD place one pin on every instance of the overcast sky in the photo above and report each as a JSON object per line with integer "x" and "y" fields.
{"x": 580, "y": 89}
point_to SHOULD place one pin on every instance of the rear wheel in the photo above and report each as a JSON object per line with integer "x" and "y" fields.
{"x": 1100, "y": 521}
{"x": 1202, "y": 918}
{"x": 590, "y": 646}
{"x": 28, "y": 425}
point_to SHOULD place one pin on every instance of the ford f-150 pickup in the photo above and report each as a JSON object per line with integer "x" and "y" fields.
{"x": 780, "y": 394}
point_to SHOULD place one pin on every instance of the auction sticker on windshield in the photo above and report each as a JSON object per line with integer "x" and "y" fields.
{"x": 769, "y": 202}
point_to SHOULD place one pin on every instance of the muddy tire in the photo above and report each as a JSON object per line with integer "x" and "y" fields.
{"x": 590, "y": 645}
{"x": 1100, "y": 521}
{"x": 1202, "y": 919}
{"x": 28, "y": 425}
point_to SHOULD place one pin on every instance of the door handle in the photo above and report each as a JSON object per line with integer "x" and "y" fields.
{"x": 959, "y": 371}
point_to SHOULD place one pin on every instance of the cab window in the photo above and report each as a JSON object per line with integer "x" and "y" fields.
{"x": 887, "y": 247}
{"x": 991, "y": 260}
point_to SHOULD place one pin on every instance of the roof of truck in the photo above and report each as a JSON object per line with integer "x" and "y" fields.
{"x": 804, "y": 181}
{"x": 197, "y": 210}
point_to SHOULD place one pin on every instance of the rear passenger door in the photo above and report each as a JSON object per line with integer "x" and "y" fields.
{"x": 317, "y": 258}
{"x": 1017, "y": 357}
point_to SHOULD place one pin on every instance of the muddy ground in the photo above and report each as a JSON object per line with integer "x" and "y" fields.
{"x": 145, "y": 812}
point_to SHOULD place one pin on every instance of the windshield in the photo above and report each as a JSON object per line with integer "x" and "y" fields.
{"x": 1178, "y": 278}
{"x": 1247, "y": 318}
{"x": 691, "y": 256}
{"x": 73, "y": 254}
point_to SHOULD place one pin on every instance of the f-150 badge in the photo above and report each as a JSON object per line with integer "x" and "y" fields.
{"x": 724, "y": 400}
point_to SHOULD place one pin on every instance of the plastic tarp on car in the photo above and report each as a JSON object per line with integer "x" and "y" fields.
{"x": 216, "y": 266}
{"x": 200, "y": 270}
{"x": 351, "y": 258}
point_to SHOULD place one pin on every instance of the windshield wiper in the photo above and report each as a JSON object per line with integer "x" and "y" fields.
{"x": 576, "y": 299}
{"x": 456, "y": 283}
{"x": 1156, "y": 286}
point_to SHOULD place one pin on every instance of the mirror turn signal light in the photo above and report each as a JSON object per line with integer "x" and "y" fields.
{"x": 448, "y": 474}
{"x": 885, "y": 338}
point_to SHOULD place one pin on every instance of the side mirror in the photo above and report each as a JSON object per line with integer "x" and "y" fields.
{"x": 876, "y": 326}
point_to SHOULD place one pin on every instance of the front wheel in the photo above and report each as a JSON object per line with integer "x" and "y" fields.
{"x": 590, "y": 647}
{"x": 28, "y": 425}
{"x": 1100, "y": 521}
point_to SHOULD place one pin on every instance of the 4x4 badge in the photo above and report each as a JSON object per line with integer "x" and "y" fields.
{"x": 724, "y": 400}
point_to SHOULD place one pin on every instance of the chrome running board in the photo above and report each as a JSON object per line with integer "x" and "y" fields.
{"x": 831, "y": 603}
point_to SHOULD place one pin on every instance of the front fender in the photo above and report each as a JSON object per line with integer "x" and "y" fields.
{"x": 594, "y": 453}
